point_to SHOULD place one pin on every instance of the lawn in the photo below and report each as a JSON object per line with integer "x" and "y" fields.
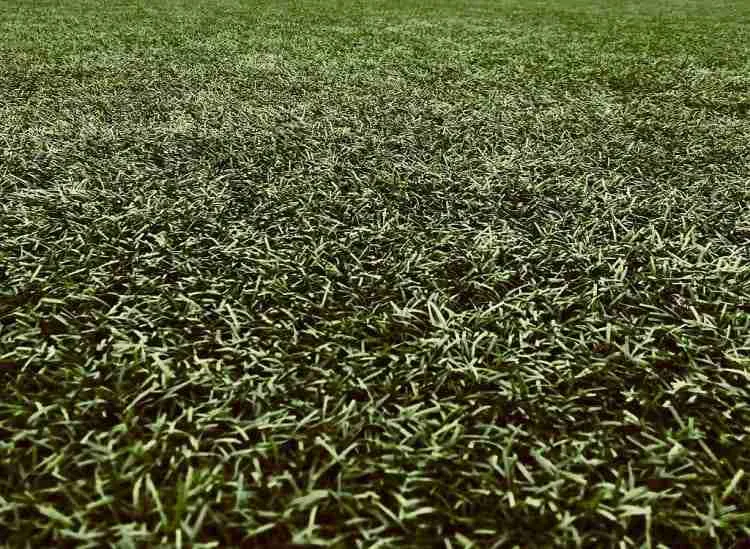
{"x": 374, "y": 273}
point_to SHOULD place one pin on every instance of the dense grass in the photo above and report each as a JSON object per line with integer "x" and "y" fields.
{"x": 374, "y": 274}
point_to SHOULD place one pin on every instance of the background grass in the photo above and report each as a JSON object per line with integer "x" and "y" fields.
{"x": 384, "y": 274}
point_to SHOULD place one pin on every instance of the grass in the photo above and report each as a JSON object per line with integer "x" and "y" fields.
{"x": 374, "y": 274}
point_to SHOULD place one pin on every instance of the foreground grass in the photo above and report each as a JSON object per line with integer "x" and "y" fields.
{"x": 356, "y": 273}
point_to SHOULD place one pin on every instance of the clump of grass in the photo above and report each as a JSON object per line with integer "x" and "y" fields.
{"x": 374, "y": 275}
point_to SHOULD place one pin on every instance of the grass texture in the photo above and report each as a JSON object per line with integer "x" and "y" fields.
{"x": 374, "y": 274}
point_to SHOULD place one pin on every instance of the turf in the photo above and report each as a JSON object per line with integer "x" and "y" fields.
{"x": 374, "y": 274}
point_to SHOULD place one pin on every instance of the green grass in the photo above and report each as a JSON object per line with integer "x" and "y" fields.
{"x": 374, "y": 274}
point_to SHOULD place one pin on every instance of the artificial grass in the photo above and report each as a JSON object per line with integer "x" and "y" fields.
{"x": 374, "y": 274}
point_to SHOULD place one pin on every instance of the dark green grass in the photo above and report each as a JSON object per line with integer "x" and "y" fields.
{"x": 374, "y": 274}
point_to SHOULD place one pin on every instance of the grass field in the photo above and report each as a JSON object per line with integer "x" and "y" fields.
{"x": 374, "y": 274}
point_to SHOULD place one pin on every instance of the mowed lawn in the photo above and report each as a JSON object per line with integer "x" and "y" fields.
{"x": 374, "y": 273}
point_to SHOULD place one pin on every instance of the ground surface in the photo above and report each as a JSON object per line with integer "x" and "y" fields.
{"x": 379, "y": 274}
